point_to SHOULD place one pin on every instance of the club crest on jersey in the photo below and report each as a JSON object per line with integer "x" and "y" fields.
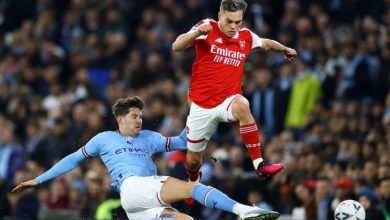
{"x": 242, "y": 44}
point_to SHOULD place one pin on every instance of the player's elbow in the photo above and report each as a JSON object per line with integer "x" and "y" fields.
{"x": 179, "y": 44}
{"x": 176, "y": 47}
{"x": 267, "y": 44}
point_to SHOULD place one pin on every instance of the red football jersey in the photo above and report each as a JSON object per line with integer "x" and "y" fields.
{"x": 219, "y": 64}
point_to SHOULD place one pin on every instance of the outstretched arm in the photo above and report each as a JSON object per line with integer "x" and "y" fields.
{"x": 179, "y": 142}
{"x": 272, "y": 45}
{"x": 24, "y": 185}
{"x": 166, "y": 144}
{"x": 63, "y": 166}
{"x": 185, "y": 40}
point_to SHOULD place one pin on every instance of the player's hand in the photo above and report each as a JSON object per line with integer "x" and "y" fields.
{"x": 289, "y": 54}
{"x": 204, "y": 29}
{"x": 24, "y": 185}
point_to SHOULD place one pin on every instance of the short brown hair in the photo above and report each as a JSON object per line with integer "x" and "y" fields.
{"x": 123, "y": 105}
{"x": 233, "y": 5}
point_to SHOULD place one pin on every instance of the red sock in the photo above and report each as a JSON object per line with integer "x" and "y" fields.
{"x": 250, "y": 136}
{"x": 193, "y": 174}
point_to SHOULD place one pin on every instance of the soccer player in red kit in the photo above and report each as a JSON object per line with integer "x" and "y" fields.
{"x": 222, "y": 48}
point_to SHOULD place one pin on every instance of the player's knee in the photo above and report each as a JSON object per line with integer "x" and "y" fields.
{"x": 241, "y": 108}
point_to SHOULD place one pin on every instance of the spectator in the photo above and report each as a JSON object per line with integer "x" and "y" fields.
{"x": 323, "y": 199}
{"x": 306, "y": 197}
{"x": 11, "y": 155}
{"x": 384, "y": 197}
{"x": 36, "y": 145}
{"x": 304, "y": 94}
{"x": 344, "y": 191}
{"x": 262, "y": 100}
{"x": 368, "y": 199}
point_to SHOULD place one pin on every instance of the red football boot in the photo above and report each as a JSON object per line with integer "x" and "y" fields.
{"x": 265, "y": 170}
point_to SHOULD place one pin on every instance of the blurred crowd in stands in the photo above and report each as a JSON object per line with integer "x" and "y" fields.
{"x": 326, "y": 115}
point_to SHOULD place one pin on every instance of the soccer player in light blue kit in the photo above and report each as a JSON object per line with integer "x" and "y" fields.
{"x": 127, "y": 155}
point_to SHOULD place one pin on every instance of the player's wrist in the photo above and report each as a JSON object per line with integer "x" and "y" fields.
{"x": 198, "y": 32}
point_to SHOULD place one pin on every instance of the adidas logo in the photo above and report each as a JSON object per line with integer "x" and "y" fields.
{"x": 219, "y": 40}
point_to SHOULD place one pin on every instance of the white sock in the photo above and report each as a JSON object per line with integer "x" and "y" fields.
{"x": 257, "y": 162}
{"x": 239, "y": 208}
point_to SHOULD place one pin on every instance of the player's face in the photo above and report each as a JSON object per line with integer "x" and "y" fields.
{"x": 230, "y": 22}
{"x": 131, "y": 123}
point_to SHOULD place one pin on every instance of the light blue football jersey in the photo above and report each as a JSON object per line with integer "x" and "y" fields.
{"x": 122, "y": 156}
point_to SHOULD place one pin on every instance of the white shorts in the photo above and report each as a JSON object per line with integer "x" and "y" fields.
{"x": 140, "y": 197}
{"x": 202, "y": 122}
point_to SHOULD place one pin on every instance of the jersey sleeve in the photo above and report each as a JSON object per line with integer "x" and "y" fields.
{"x": 195, "y": 27}
{"x": 92, "y": 147}
{"x": 166, "y": 144}
{"x": 257, "y": 42}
